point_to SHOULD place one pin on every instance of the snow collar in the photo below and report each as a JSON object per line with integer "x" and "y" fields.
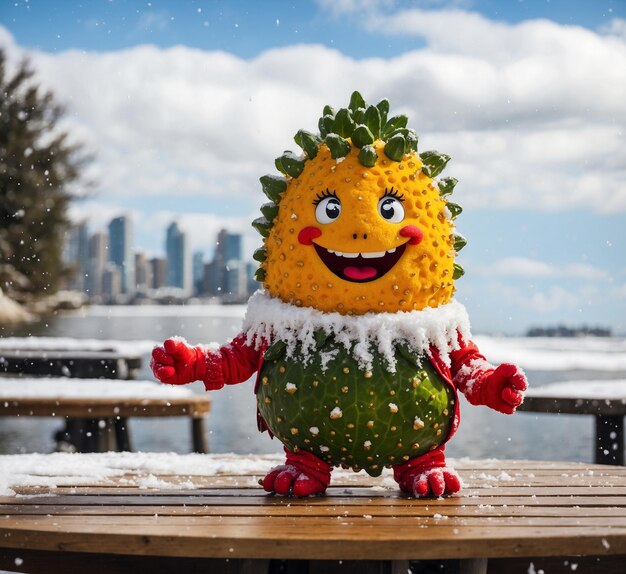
{"x": 269, "y": 319}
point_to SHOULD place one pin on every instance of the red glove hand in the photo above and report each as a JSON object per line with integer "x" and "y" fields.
{"x": 503, "y": 389}
{"x": 176, "y": 363}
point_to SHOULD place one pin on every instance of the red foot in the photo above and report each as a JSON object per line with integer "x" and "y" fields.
{"x": 427, "y": 475}
{"x": 302, "y": 474}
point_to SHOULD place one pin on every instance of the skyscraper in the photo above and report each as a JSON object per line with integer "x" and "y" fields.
{"x": 75, "y": 255}
{"x": 98, "y": 247}
{"x": 121, "y": 251}
{"x": 178, "y": 259}
{"x": 228, "y": 249}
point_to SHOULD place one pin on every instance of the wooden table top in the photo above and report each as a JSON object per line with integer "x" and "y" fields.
{"x": 507, "y": 509}
{"x": 600, "y": 398}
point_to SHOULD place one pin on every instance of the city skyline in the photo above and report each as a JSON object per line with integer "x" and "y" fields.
{"x": 107, "y": 267}
{"x": 185, "y": 109}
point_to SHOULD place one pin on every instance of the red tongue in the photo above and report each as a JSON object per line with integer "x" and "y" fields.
{"x": 359, "y": 273}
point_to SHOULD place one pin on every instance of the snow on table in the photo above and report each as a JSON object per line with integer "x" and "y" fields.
{"x": 57, "y": 388}
{"x": 71, "y": 344}
{"x": 614, "y": 390}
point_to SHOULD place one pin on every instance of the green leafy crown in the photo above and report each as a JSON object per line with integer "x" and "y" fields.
{"x": 363, "y": 124}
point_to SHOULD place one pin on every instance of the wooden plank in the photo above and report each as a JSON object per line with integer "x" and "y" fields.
{"x": 364, "y": 511}
{"x": 195, "y": 406}
{"x": 572, "y": 405}
{"x": 336, "y": 540}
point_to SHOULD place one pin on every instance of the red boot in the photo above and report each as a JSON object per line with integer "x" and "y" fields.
{"x": 302, "y": 474}
{"x": 427, "y": 475}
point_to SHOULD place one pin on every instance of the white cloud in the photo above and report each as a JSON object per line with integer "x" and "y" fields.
{"x": 616, "y": 27}
{"x": 531, "y": 112}
{"x": 554, "y": 298}
{"x": 533, "y": 268}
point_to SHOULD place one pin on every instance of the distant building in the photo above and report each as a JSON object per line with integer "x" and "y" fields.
{"x": 178, "y": 259}
{"x": 96, "y": 262}
{"x": 121, "y": 251}
{"x": 227, "y": 255}
{"x": 158, "y": 268}
{"x": 235, "y": 285}
{"x": 75, "y": 255}
{"x": 111, "y": 283}
{"x": 198, "y": 272}
{"x": 143, "y": 273}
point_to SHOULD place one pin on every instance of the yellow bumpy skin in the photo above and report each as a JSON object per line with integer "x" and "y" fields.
{"x": 361, "y": 225}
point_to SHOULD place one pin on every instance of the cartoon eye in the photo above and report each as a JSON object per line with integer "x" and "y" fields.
{"x": 328, "y": 209}
{"x": 390, "y": 209}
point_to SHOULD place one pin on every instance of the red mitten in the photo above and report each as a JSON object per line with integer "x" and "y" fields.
{"x": 503, "y": 389}
{"x": 427, "y": 475}
{"x": 302, "y": 474}
{"x": 177, "y": 363}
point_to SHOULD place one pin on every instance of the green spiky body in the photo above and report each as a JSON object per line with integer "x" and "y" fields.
{"x": 362, "y": 419}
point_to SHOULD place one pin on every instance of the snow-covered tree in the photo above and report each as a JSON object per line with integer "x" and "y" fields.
{"x": 38, "y": 167}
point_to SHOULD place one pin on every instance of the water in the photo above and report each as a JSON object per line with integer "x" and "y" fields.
{"x": 231, "y": 425}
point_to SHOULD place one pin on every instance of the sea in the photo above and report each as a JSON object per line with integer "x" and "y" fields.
{"x": 231, "y": 425}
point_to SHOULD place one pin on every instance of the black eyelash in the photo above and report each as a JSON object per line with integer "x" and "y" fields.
{"x": 393, "y": 193}
{"x": 324, "y": 194}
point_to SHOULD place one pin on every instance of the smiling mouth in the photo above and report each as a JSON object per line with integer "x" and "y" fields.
{"x": 360, "y": 267}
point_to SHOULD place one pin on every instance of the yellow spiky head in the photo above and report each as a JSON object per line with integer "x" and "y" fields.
{"x": 359, "y": 224}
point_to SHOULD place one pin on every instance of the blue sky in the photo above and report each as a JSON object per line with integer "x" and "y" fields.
{"x": 185, "y": 105}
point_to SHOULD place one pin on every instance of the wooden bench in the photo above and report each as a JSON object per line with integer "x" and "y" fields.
{"x": 97, "y": 410}
{"x": 84, "y": 364}
{"x": 208, "y": 514}
{"x": 605, "y": 400}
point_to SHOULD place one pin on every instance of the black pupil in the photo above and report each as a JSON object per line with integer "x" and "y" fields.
{"x": 387, "y": 209}
{"x": 332, "y": 209}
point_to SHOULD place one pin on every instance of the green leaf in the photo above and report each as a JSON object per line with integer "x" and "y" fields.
{"x": 362, "y": 136}
{"x": 259, "y": 275}
{"x": 383, "y": 108}
{"x": 262, "y": 225}
{"x": 433, "y": 162}
{"x": 344, "y": 124}
{"x": 454, "y": 208}
{"x": 328, "y": 111}
{"x": 358, "y": 116}
{"x": 338, "y": 146}
{"x": 275, "y": 351}
{"x": 394, "y": 148}
{"x": 393, "y": 124}
{"x": 329, "y": 123}
{"x": 308, "y": 142}
{"x": 290, "y": 164}
{"x": 356, "y": 101}
{"x": 458, "y": 272}
{"x": 372, "y": 120}
{"x": 368, "y": 156}
{"x": 273, "y": 186}
{"x": 321, "y": 126}
{"x": 269, "y": 210}
{"x": 411, "y": 140}
{"x": 260, "y": 254}
{"x": 401, "y": 131}
{"x": 459, "y": 242}
{"x": 446, "y": 185}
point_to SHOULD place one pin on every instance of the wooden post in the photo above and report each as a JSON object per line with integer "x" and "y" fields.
{"x": 198, "y": 435}
{"x": 473, "y": 566}
{"x": 609, "y": 440}
{"x": 122, "y": 435}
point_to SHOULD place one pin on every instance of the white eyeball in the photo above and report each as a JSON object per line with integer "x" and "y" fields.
{"x": 391, "y": 209}
{"x": 328, "y": 210}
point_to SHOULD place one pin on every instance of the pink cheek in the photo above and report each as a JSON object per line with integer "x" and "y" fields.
{"x": 308, "y": 234}
{"x": 415, "y": 233}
